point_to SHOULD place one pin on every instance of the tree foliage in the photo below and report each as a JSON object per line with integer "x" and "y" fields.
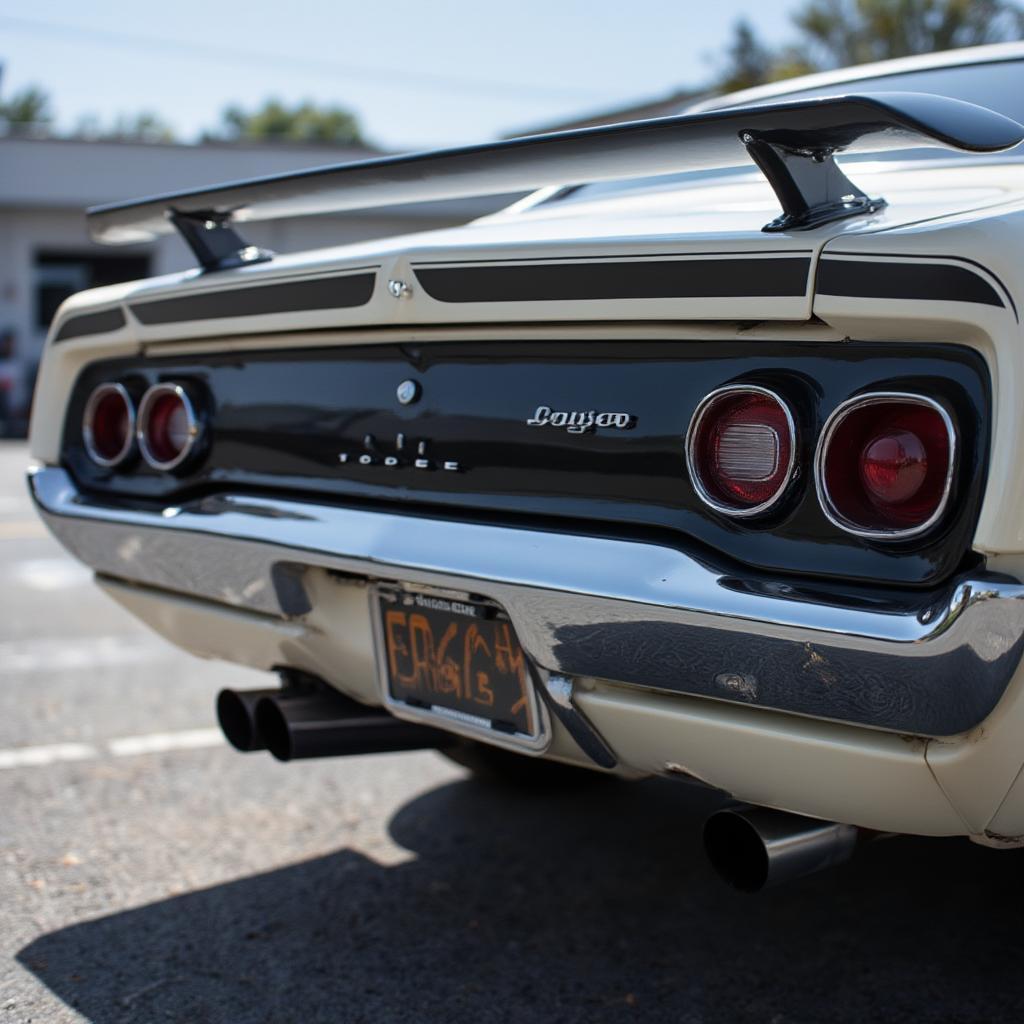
{"x": 30, "y": 112}
{"x": 843, "y": 32}
{"x": 278, "y": 122}
{"x": 748, "y": 61}
{"x": 27, "y": 112}
{"x": 839, "y": 33}
{"x": 145, "y": 126}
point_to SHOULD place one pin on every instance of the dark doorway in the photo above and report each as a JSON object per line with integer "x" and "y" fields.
{"x": 60, "y": 274}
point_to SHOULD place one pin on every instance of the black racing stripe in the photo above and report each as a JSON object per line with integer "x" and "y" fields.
{"x": 636, "y": 279}
{"x": 609, "y": 256}
{"x": 91, "y": 323}
{"x": 259, "y": 300}
{"x": 881, "y": 279}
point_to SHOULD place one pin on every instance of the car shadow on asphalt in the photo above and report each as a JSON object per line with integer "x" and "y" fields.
{"x": 593, "y": 905}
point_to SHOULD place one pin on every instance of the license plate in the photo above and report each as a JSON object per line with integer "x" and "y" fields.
{"x": 457, "y": 660}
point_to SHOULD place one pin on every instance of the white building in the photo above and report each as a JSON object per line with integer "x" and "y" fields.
{"x": 46, "y": 253}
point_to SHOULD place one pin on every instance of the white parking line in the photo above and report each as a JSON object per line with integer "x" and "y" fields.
{"x": 50, "y": 573}
{"x": 22, "y": 529}
{"x": 64, "y": 654}
{"x": 37, "y": 757}
{"x": 159, "y": 742}
{"x": 123, "y": 746}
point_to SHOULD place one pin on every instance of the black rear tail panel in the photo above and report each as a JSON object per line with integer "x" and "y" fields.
{"x": 327, "y": 424}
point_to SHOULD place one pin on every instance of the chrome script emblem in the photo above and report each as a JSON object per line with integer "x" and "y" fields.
{"x": 578, "y": 421}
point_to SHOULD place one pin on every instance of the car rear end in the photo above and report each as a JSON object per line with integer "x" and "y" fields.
{"x": 699, "y": 502}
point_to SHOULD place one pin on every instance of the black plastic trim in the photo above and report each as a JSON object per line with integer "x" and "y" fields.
{"x": 809, "y": 185}
{"x": 341, "y": 292}
{"x": 886, "y": 279}
{"x": 214, "y": 242}
{"x": 759, "y": 252}
{"x": 102, "y": 322}
{"x": 633, "y": 279}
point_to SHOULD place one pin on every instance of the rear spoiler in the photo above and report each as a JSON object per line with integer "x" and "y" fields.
{"x": 793, "y": 143}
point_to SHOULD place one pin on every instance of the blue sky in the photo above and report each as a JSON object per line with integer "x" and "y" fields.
{"x": 417, "y": 73}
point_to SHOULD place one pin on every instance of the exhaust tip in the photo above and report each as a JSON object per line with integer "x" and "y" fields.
{"x": 236, "y": 716}
{"x": 273, "y": 728}
{"x": 329, "y": 724}
{"x": 736, "y": 851}
{"x": 754, "y": 847}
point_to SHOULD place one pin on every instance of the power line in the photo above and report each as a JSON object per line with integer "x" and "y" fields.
{"x": 205, "y": 51}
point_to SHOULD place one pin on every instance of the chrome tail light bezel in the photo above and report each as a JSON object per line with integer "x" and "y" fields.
{"x": 832, "y": 424}
{"x": 693, "y": 433}
{"x": 152, "y": 394}
{"x": 98, "y": 394}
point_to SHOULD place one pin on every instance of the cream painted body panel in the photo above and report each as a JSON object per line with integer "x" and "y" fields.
{"x": 872, "y": 779}
{"x": 978, "y": 769}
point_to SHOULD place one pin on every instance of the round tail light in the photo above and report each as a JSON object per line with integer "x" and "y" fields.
{"x": 741, "y": 449}
{"x": 884, "y": 465}
{"x": 108, "y": 425}
{"x": 167, "y": 426}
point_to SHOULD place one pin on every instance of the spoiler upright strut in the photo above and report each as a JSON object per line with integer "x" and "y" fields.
{"x": 793, "y": 143}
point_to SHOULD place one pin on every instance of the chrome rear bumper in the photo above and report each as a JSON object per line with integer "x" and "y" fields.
{"x": 636, "y": 613}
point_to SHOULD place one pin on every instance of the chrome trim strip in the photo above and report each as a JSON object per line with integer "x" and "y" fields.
{"x": 832, "y": 424}
{"x": 929, "y": 663}
{"x": 148, "y": 398}
{"x": 88, "y": 438}
{"x": 691, "y": 439}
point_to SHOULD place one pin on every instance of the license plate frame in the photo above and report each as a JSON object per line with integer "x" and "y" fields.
{"x": 414, "y": 703}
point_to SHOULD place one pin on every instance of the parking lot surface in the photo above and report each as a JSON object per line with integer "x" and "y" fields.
{"x": 148, "y": 873}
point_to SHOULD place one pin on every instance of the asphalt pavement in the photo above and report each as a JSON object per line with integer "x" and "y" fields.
{"x": 148, "y": 873}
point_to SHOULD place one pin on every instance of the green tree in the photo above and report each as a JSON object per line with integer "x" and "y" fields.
{"x": 27, "y": 112}
{"x": 748, "y": 61}
{"x": 839, "y": 33}
{"x": 275, "y": 121}
{"x": 843, "y": 32}
{"x": 145, "y": 126}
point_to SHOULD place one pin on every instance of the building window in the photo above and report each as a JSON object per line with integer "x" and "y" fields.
{"x": 60, "y": 274}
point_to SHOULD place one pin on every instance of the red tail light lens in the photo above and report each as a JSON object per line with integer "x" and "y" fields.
{"x": 168, "y": 429}
{"x": 885, "y": 465}
{"x": 108, "y": 425}
{"x": 741, "y": 449}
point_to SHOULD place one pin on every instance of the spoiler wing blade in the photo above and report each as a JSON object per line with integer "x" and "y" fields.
{"x": 793, "y": 143}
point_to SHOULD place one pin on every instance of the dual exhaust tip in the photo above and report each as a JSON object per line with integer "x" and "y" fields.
{"x": 304, "y": 721}
{"x": 751, "y": 848}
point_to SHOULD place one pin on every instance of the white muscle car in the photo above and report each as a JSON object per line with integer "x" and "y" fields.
{"x": 703, "y": 460}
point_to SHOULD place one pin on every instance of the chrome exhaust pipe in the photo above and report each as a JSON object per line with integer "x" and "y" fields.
{"x": 754, "y": 847}
{"x": 326, "y": 724}
{"x": 236, "y": 716}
